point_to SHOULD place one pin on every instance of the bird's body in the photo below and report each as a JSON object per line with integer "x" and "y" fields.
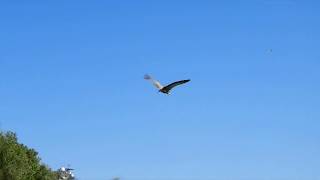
{"x": 165, "y": 89}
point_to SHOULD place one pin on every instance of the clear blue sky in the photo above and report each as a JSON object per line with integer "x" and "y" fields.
{"x": 72, "y": 87}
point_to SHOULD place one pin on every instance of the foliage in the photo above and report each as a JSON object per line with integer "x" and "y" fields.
{"x": 18, "y": 162}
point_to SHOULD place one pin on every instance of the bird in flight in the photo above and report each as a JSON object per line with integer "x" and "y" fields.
{"x": 164, "y": 89}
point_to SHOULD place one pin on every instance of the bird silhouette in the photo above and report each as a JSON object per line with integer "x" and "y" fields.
{"x": 165, "y": 89}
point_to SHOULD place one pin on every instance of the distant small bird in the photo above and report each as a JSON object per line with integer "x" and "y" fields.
{"x": 164, "y": 89}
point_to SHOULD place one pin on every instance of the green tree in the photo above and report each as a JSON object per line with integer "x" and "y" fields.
{"x": 18, "y": 162}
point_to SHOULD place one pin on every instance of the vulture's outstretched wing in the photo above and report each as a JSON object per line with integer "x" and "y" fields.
{"x": 154, "y": 82}
{"x": 172, "y": 85}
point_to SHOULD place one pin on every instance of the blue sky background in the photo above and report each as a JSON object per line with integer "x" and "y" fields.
{"x": 71, "y": 86}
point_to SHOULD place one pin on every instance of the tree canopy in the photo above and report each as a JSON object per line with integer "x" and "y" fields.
{"x": 18, "y": 162}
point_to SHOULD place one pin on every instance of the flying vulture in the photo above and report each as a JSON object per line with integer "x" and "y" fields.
{"x": 164, "y": 89}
